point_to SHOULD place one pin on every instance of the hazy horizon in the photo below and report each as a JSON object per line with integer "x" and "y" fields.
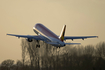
{"x": 81, "y": 17}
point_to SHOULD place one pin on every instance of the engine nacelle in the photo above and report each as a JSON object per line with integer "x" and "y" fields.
{"x": 29, "y": 40}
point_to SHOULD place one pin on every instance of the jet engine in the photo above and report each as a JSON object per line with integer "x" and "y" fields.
{"x": 29, "y": 40}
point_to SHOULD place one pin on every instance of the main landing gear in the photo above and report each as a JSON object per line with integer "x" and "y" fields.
{"x": 38, "y": 45}
{"x": 58, "y": 47}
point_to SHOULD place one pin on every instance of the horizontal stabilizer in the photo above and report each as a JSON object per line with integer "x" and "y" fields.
{"x": 72, "y": 43}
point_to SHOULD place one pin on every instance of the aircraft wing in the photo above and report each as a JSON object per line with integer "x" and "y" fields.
{"x": 79, "y": 37}
{"x": 27, "y": 36}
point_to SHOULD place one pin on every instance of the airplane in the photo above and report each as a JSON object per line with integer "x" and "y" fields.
{"x": 46, "y": 35}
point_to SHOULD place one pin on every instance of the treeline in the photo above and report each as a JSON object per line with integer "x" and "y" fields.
{"x": 48, "y": 57}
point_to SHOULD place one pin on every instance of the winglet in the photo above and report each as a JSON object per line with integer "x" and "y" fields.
{"x": 61, "y": 37}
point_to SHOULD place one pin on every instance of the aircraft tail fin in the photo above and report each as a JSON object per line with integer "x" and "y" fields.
{"x": 61, "y": 37}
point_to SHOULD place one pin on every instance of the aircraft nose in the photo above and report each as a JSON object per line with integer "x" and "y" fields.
{"x": 33, "y": 27}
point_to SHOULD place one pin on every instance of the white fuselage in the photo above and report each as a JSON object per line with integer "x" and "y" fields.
{"x": 53, "y": 39}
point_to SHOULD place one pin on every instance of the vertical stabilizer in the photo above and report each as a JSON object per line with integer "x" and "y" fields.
{"x": 61, "y": 37}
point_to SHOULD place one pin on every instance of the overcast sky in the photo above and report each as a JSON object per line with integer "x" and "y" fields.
{"x": 82, "y": 18}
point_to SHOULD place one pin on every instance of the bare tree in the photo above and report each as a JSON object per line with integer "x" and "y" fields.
{"x": 100, "y": 49}
{"x": 24, "y": 50}
{"x": 89, "y": 49}
{"x": 7, "y": 63}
